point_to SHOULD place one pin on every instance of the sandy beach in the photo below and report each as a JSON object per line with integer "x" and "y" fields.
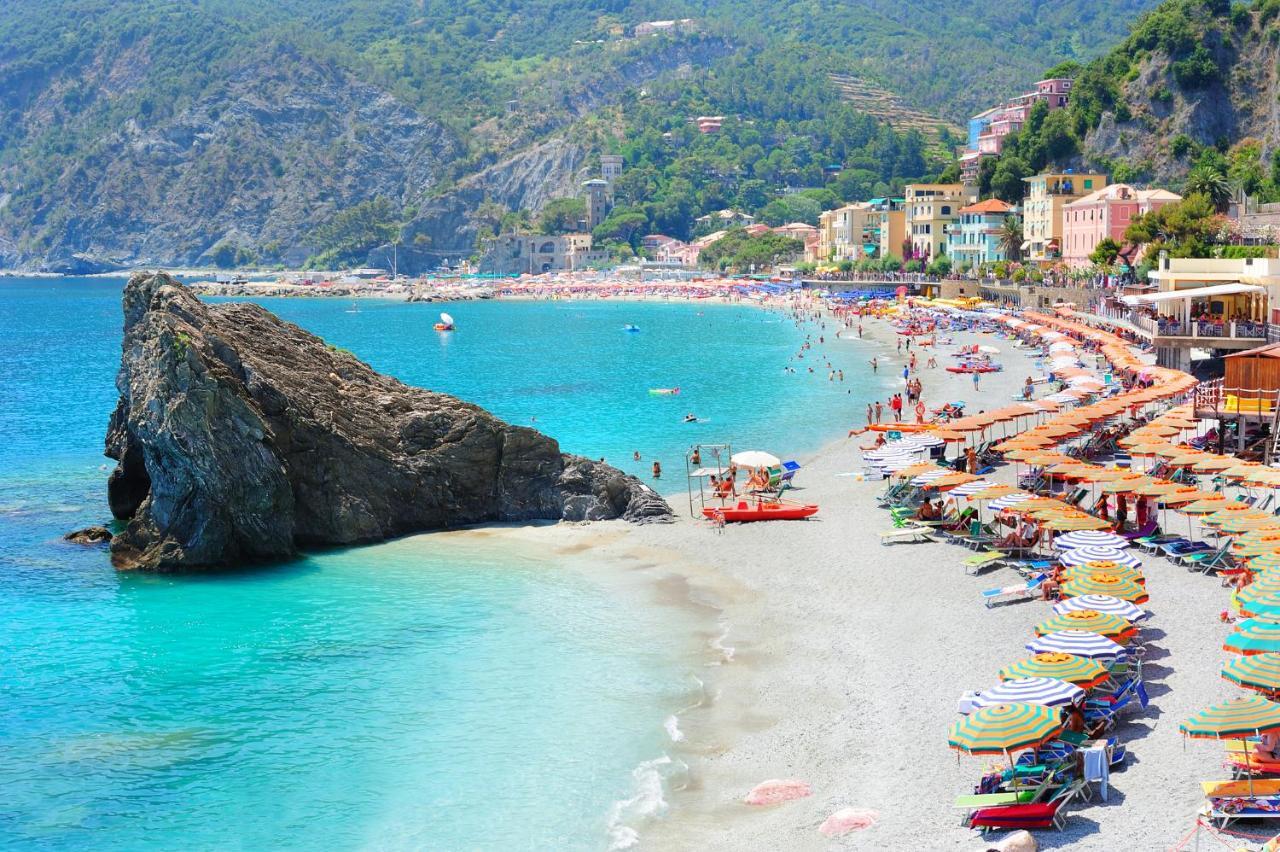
{"x": 836, "y": 660}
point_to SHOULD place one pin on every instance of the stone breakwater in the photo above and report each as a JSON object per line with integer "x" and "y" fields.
{"x": 239, "y": 437}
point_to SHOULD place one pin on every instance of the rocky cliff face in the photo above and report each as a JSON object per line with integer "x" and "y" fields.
{"x": 239, "y": 437}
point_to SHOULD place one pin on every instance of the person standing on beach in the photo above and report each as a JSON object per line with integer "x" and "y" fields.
{"x": 913, "y": 362}
{"x": 899, "y": 344}
{"x": 920, "y": 412}
{"x": 870, "y": 414}
{"x": 879, "y": 409}
{"x": 975, "y": 380}
{"x": 906, "y": 372}
{"x": 859, "y": 330}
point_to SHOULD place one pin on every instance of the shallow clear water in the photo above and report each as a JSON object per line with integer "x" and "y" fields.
{"x": 441, "y": 691}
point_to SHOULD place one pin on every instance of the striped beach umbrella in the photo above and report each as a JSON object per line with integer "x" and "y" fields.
{"x": 1080, "y": 643}
{"x": 1215, "y": 464}
{"x": 1265, "y": 563}
{"x": 1253, "y": 636}
{"x": 968, "y": 489}
{"x": 1114, "y": 569}
{"x": 1010, "y": 500}
{"x": 1076, "y": 523}
{"x": 1159, "y": 489}
{"x": 1207, "y": 506}
{"x": 1260, "y": 587}
{"x": 930, "y": 475}
{"x": 1068, "y": 667}
{"x": 1229, "y": 512}
{"x": 1106, "y": 584}
{"x": 1005, "y": 728}
{"x": 1267, "y": 542}
{"x": 1086, "y": 538}
{"x": 1250, "y": 715}
{"x": 1239, "y": 525}
{"x": 992, "y": 492}
{"x": 1092, "y": 553}
{"x": 1046, "y": 691}
{"x": 1101, "y": 603}
{"x": 1262, "y": 605}
{"x": 1260, "y": 672}
{"x": 1104, "y": 624}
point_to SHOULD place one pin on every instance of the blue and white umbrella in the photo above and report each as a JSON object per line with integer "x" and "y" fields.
{"x": 1048, "y": 691}
{"x": 1095, "y": 553}
{"x": 929, "y": 476}
{"x": 1086, "y": 538}
{"x": 1101, "y": 603}
{"x": 969, "y": 488}
{"x": 1008, "y": 500}
{"x": 1082, "y": 643}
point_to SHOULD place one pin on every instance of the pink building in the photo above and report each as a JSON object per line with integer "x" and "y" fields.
{"x": 987, "y": 130}
{"x": 1106, "y": 213}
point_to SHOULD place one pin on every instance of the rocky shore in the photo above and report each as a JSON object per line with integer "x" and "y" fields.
{"x": 239, "y": 437}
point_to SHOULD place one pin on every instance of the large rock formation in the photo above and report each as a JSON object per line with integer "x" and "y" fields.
{"x": 239, "y": 437}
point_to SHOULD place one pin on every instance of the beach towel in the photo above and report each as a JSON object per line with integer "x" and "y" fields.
{"x": 1097, "y": 768}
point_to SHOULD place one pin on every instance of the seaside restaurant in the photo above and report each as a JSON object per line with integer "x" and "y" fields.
{"x": 1204, "y": 303}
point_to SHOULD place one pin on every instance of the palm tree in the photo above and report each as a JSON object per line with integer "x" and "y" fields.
{"x": 1213, "y": 185}
{"x": 1011, "y": 238}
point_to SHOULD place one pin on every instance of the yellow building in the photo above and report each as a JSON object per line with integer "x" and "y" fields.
{"x": 931, "y": 209}
{"x": 851, "y": 232}
{"x": 1042, "y": 213}
{"x": 892, "y": 228}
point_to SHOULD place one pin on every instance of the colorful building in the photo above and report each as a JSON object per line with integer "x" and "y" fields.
{"x": 931, "y": 209}
{"x": 1042, "y": 207}
{"x": 975, "y": 239}
{"x": 1104, "y": 214}
{"x": 987, "y": 130}
{"x": 891, "y": 226}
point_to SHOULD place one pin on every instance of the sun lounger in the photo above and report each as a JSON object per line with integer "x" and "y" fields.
{"x": 975, "y": 564}
{"x": 1228, "y": 801}
{"x": 907, "y": 535}
{"x": 1028, "y": 816}
{"x": 1007, "y": 594}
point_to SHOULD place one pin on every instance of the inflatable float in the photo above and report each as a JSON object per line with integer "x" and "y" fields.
{"x": 975, "y": 368}
{"x": 664, "y": 391}
{"x": 445, "y": 324}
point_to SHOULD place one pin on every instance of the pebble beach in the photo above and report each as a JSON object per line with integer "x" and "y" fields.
{"x": 838, "y": 661}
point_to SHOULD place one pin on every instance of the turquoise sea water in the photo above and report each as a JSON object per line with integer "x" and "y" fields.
{"x": 436, "y": 692}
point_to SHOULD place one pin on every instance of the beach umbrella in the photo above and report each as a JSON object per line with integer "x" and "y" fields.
{"x": 1068, "y": 667}
{"x": 1253, "y": 636}
{"x": 1250, "y": 715}
{"x": 1264, "y": 476}
{"x": 1216, "y": 463}
{"x": 1105, "y": 584}
{"x": 1264, "y": 563}
{"x": 1043, "y": 458}
{"x": 1264, "y": 604}
{"x": 1098, "y": 566}
{"x": 1076, "y": 524}
{"x": 1239, "y": 525}
{"x": 1101, "y": 603}
{"x": 1126, "y": 484}
{"x": 1010, "y": 500}
{"x": 1046, "y": 691}
{"x": 1080, "y": 643}
{"x": 1260, "y": 672}
{"x": 755, "y": 458}
{"x": 1005, "y": 728}
{"x": 969, "y": 489}
{"x": 1087, "y": 538}
{"x": 949, "y": 480}
{"x": 1104, "y": 624}
{"x": 930, "y": 475}
{"x": 1267, "y": 542}
{"x": 1235, "y": 510}
{"x": 1208, "y": 505}
{"x": 992, "y": 491}
{"x": 1157, "y": 489}
{"x": 1093, "y": 553}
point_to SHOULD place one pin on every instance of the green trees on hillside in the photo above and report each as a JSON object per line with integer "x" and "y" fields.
{"x": 741, "y": 252}
{"x": 347, "y": 237}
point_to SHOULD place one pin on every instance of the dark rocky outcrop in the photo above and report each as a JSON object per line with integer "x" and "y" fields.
{"x": 89, "y": 535}
{"x": 240, "y": 437}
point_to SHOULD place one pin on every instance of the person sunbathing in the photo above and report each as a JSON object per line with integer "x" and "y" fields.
{"x": 1023, "y": 538}
{"x": 929, "y": 511}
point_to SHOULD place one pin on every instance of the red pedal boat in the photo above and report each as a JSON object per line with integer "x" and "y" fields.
{"x": 760, "y": 511}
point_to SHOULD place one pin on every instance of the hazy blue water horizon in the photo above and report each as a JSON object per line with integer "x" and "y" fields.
{"x": 433, "y": 692}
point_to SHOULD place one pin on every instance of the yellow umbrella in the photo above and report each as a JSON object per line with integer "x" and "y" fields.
{"x": 1104, "y": 566}
{"x": 1072, "y": 524}
{"x": 1216, "y": 463}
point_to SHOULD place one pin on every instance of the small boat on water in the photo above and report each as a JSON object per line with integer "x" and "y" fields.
{"x": 630, "y": 327}
{"x": 664, "y": 391}
{"x": 761, "y": 510}
{"x": 445, "y": 324}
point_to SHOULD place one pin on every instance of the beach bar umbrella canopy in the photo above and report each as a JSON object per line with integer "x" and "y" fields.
{"x": 1250, "y": 715}
{"x": 1086, "y": 538}
{"x": 1259, "y": 671}
{"x": 1104, "y": 624}
{"x": 756, "y": 458}
{"x": 1080, "y": 643}
{"x": 1253, "y": 636}
{"x": 1068, "y": 667}
{"x": 1101, "y": 603}
{"x": 1094, "y": 553}
{"x": 1005, "y": 728}
{"x": 1046, "y": 691}
{"x": 1106, "y": 584}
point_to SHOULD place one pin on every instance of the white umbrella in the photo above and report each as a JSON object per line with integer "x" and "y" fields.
{"x": 990, "y": 350}
{"x": 446, "y": 319}
{"x": 1008, "y": 500}
{"x": 755, "y": 458}
{"x": 1081, "y": 538}
{"x": 1094, "y": 553}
